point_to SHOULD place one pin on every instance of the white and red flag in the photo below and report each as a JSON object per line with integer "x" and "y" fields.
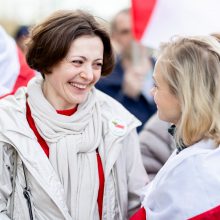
{"x": 14, "y": 70}
{"x": 186, "y": 187}
{"x": 156, "y": 21}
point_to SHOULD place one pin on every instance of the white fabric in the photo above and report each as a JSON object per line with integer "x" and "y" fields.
{"x": 187, "y": 185}
{"x": 180, "y": 17}
{"x": 76, "y": 146}
{"x": 9, "y": 63}
{"x": 123, "y": 168}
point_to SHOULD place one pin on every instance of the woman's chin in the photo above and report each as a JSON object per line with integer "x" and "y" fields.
{"x": 162, "y": 117}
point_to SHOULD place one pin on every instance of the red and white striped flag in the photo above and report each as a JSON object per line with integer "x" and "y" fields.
{"x": 156, "y": 21}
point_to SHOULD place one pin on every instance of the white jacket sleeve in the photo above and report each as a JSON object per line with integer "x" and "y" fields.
{"x": 137, "y": 176}
{"x": 6, "y": 168}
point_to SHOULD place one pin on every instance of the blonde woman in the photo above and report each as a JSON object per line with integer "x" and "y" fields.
{"x": 68, "y": 151}
{"x": 187, "y": 94}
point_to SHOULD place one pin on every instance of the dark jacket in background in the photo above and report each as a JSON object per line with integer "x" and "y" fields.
{"x": 112, "y": 85}
{"x": 156, "y": 145}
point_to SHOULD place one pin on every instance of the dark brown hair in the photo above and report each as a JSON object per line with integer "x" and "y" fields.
{"x": 50, "y": 40}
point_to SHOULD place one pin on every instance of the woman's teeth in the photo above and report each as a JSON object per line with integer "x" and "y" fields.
{"x": 80, "y": 86}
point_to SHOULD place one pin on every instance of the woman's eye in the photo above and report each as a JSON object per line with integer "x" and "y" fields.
{"x": 98, "y": 65}
{"x": 77, "y": 62}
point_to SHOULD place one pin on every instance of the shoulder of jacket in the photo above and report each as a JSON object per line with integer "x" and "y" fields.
{"x": 16, "y": 101}
{"x": 112, "y": 109}
{"x": 11, "y": 107}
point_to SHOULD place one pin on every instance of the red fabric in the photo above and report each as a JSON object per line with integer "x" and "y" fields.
{"x": 45, "y": 147}
{"x": 31, "y": 123}
{"x": 67, "y": 112}
{"x": 141, "y": 14}
{"x": 139, "y": 215}
{"x": 101, "y": 184}
{"x": 26, "y": 73}
{"x": 212, "y": 214}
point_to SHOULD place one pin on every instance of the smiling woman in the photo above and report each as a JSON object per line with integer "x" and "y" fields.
{"x": 187, "y": 94}
{"x": 73, "y": 78}
{"x": 76, "y": 150}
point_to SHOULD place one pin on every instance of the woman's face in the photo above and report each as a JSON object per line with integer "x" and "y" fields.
{"x": 72, "y": 78}
{"x": 167, "y": 103}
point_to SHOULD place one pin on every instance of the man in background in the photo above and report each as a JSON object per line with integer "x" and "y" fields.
{"x": 131, "y": 79}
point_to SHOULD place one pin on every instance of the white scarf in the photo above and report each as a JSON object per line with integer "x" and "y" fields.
{"x": 72, "y": 141}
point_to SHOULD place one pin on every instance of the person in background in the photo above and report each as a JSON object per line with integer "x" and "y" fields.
{"x": 14, "y": 71}
{"x": 120, "y": 30}
{"x": 21, "y": 37}
{"x": 156, "y": 145}
{"x": 67, "y": 150}
{"x": 187, "y": 94}
{"x": 129, "y": 81}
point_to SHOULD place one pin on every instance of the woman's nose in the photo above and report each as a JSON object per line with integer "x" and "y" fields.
{"x": 87, "y": 73}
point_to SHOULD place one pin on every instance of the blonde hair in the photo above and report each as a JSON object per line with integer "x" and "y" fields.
{"x": 191, "y": 67}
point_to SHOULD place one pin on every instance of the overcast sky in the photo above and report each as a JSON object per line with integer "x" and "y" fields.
{"x": 30, "y": 11}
